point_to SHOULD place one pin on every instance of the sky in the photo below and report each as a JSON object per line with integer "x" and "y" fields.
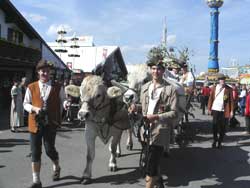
{"x": 137, "y": 25}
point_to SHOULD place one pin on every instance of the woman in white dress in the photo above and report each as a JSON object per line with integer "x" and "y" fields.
{"x": 16, "y": 110}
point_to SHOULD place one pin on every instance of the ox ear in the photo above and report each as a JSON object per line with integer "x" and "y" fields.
{"x": 117, "y": 84}
{"x": 72, "y": 90}
{"x": 114, "y": 92}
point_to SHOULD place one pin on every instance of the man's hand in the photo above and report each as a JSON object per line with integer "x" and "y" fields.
{"x": 231, "y": 114}
{"x": 152, "y": 118}
{"x": 132, "y": 108}
{"x": 209, "y": 112}
{"x": 36, "y": 109}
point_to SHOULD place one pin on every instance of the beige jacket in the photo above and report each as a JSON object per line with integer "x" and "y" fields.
{"x": 166, "y": 107}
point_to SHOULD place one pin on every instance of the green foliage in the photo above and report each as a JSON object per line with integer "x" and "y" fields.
{"x": 156, "y": 54}
{"x": 169, "y": 56}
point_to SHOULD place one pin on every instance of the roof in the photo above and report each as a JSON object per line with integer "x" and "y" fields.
{"x": 90, "y": 56}
{"x": 14, "y": 16}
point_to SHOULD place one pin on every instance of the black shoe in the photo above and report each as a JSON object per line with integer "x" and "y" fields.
{"x": 36, "y": 185}
{"x": 56, "y": 174}
{"x": 160, "y": 183}
{"x": 214, "y": 145}
{"x": 219, "y": 145}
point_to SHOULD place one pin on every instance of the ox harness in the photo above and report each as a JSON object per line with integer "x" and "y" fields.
{"x": 115, "y": 106}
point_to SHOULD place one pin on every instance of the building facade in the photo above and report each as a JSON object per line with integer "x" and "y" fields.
{"x": 21, "y": 47}
{"x": 80, "y": 53}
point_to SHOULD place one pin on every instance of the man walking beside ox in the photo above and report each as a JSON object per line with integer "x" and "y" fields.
{"x": 43, "y": 100}
{"x": 159, "y": 105}
{"x": 221, "y": 106}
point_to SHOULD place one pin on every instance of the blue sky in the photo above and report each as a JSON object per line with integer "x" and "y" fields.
{"x": 136, "y": 25}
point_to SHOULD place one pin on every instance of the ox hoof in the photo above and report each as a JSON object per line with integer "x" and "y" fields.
{"x": 86, "y": 181}
{"x": 118, "y": 154}
{"x": 129, "y": 147}
{"x": 113, "y": 168}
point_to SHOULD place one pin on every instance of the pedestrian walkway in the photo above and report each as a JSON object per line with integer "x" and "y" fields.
{"x": 195, "y": 165}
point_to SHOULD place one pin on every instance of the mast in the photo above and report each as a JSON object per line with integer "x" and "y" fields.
{"x": 164, "y": 33}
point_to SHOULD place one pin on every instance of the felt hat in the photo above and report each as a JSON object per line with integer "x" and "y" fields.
{"x": 156, "y": 62}
{"x": 221, "y": 76}
{"x": 44, "y": 64}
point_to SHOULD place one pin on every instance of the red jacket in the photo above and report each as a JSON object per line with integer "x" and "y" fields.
{"x": 205, "y": 91}
{"x": 247, "y": 109}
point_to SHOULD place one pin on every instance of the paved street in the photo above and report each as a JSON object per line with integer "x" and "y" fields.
{"x": 195, "y": 166}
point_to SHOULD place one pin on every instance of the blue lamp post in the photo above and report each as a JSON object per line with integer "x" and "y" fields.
{"x": 213, "y": 63}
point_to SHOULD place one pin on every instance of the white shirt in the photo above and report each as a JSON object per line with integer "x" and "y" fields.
{"x": 154, "y": 96}
{"x": 171, "y": 75}
{"x": 218, "y": 103}
{"x": 187, "y": 79}
{"x": 27, "y": 102}
{"x": 243, "y": 93}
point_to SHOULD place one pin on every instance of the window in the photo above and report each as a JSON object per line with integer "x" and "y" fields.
{"x": 15, "y": 36}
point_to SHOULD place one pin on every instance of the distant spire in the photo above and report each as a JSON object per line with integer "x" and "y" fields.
{"x": 164, "y": 33}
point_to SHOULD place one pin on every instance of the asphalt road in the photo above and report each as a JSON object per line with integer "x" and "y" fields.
{"x": 194, "y": 165}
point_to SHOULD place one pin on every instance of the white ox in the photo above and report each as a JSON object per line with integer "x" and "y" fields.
{"x": 136, "y": 79}
{"x": 105, "y": 116}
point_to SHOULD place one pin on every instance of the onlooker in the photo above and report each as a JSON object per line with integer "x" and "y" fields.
{"x": 242, "y": 97}
{"x": 221, "y": 105}
{"x": 235, "y": 97}
{"x": 205, "y": 92}
{"x": 16, "y": 110}
{"x": 247, "y": 113}
{"x": 233, "y": 121}
{"x": 187, "y": 80}
{"x": 24, "y": 84}
{"x": 43, "y": 100}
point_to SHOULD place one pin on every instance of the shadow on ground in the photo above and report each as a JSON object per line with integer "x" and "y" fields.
{"x": 74, "y": 180}
{"x": 116, "y": 179}
{"x": 13, "y": 142}
{"x": 224, "y": 165}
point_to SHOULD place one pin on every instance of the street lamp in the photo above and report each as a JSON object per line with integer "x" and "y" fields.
{"x": 213, "y": 64}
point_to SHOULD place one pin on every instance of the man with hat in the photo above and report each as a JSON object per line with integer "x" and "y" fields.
{"x": 221, "y": 106}
{"x": 173, "y": 73}
{"x": 159, "y": 105}
{"x": 186, "y": 81}
{"x": 187, "y": 77}
{"x": 43, "y": 101}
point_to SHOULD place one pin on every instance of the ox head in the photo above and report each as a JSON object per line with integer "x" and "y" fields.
{"x": 95, "y": 98}
{"x": 129, "y": 94}
{"x": 139, "y": 76}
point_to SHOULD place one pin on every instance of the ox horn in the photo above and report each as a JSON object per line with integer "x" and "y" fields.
{"x": 72, "y": 90}
{"x": 119, "y": 85}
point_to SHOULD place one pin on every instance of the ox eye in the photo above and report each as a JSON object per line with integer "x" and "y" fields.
{"x": 98, "y": 96}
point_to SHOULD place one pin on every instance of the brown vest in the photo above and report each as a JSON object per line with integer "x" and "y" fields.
{"x": 53, "y": 105}
{"x": 228, "y": 100}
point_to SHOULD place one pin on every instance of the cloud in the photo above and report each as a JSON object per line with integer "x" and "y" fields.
{"x": 33, "y": 17}
{"x": 55, "y": 27}
{"x": 171, "y": 39}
